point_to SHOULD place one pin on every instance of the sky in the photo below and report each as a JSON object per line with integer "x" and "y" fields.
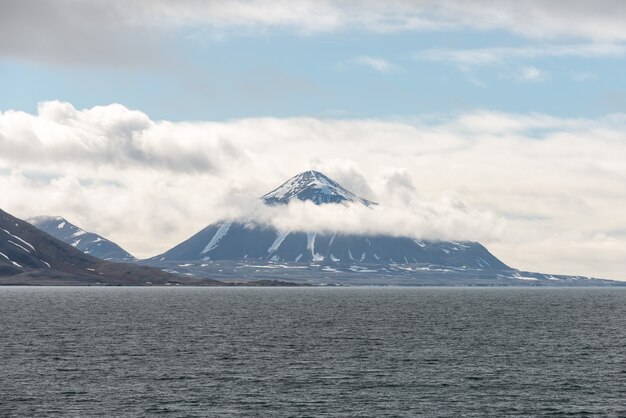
{"x": 499, "y": 122}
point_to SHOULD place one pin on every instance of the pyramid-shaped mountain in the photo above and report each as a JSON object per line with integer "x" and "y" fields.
{"x": 87, "y": 242}
{"x": 230, "y": 240}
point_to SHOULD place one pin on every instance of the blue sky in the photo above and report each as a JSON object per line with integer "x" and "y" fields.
{"x": 276, "y": 72}
{"x": 146, "y": 120}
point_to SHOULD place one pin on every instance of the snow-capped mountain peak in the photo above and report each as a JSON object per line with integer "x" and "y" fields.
{"x": 313, "y": 186}
{"x": 57, "y": 222}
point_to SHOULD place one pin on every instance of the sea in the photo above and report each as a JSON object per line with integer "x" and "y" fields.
{"x": 312, "y": 352}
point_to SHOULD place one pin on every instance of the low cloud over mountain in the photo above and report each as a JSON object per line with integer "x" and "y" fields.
{"x": 514, "y": 182}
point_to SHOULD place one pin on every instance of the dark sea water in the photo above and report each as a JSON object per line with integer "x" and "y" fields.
{"x": 312, "y": 352}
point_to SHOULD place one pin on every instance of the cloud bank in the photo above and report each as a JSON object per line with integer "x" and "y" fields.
{"x": 543, "y": 193}
{"x": 132, "y": 31}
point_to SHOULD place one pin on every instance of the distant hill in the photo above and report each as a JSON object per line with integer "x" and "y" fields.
{"x": 87, "y": 242}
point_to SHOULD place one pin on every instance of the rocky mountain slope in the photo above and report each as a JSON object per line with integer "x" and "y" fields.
{"x": 238, "y": 241}
{"x": 33, "y": 257}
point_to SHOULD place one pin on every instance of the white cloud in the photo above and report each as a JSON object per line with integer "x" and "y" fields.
{"x": 543, "y": 193}
{"x": 466, "y": 58}
{"x": 532, "y": 74}
{"x": 111, "y": 136}
{"x": 377, "y": 64}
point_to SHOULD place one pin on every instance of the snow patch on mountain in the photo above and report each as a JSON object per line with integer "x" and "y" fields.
{"x": 280, "y": 237}
{"x": 223, "y": 230}
{"x": 13, "y": 262}
{"x": 20, "y": 239}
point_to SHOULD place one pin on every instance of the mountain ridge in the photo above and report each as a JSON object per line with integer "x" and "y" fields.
{"x": 30, "y": 256}
{"x": 238, "y": 252}
{"x": 87, "y": 242}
